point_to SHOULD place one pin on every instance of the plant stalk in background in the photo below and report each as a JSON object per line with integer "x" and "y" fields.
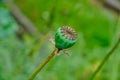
{"x": 49, "y": 27}
{"x": 105, "y": 59}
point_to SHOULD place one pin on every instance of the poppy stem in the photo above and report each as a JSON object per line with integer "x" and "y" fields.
{"x": 39, "y": 68}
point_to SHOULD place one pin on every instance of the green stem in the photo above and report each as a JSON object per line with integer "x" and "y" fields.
{"x": 105, "y": 59}
{"x": 49, "y": 26}
{"x": 38, "y": 69}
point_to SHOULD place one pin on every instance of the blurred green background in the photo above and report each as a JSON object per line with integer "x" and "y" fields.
{"x": 97, "y": 27}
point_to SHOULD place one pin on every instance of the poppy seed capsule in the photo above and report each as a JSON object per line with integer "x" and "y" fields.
{"x": 65, "y": 37}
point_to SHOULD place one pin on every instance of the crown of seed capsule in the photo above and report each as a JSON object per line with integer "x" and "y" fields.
{"x": 65, "y": 37}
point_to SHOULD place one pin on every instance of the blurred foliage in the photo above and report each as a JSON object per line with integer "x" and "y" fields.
{"x": 8, "y": 25}
{"x": 81, "y": 14}
{"x": 97, "y": 32}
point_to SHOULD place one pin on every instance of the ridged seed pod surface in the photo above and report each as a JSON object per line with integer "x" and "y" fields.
{"x": 65, "y": 37}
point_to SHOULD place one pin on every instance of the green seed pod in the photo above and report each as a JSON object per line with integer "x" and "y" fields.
{"x": 65, "y": 37}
